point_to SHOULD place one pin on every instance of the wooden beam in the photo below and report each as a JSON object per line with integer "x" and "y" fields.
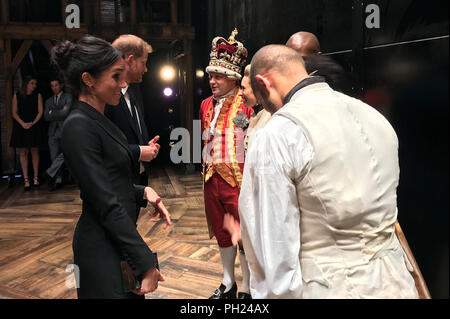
{"x": 86, "y": 12}
{"x": 7, "y": 58}
{"x": 40, "y": 31}
{"x": 174, "y": 11}
{"x": 10, "y": 154}
{"x": 187, "y": 12}
{"x": 23, "y": 50}
{"x": 5, "y": 11}
{"x": 188, "y": 112}
{"x": 47, "y": 44}
{"x": 178, "y": 32}
{"x": 116, "y": 12}
{"x": 133, "y": 13}
{"x": 97, "y": 13}
{"x": 64, "y": 4}
{"x": 148, "y": 31}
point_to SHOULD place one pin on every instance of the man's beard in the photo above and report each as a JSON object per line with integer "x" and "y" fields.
{"x": 266, "y": 103}
{"x": 269, "y": 106}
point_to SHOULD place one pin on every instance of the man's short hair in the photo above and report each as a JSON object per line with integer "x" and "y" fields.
{"x": 274, "y": 57}
{"x": 130, "y": 44}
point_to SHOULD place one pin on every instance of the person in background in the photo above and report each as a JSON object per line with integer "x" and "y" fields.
{"x": 317, "y": 64}
{"x": 57, "y": 107}
{"x": 106, "y": 243}
{"x": 260, "y": 116}
{"x": 27, "y": 134}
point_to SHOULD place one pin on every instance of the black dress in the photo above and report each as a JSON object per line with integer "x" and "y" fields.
{"x": 27, "y": 109}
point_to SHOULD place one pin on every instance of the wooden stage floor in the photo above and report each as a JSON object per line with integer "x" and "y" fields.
{"x": 36, "y": 230}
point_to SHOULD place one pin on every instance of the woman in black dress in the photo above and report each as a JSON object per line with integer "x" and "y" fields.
{"x": 27, "y": 134}
{"x": 98, "y": 156}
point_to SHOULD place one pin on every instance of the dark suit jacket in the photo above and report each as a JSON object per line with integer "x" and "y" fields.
{"x": 98, "y": 156}
{"x": 56, "y": 114}
{"x": 120, "y": 115}
{"x": 334, "y": 74}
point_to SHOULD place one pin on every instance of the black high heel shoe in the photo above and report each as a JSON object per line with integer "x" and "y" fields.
{"x": 26, "y": 187}
{"x": 36, "y": 182}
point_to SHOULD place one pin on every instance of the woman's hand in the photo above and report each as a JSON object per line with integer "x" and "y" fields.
{"x": 27, "y": 126}
{"x": 160, "y": 211}
{"x": 151, "y": 196}
{"x": 149, "y": 281}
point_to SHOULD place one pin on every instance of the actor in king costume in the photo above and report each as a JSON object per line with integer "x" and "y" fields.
{"x": 224, "y": 121}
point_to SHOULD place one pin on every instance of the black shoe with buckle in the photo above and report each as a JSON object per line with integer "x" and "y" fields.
{"x": 244, "y": 295}
{"x": 221, "y": 294}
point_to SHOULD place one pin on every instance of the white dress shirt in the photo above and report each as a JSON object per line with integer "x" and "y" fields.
{"x": 268, "y": 207}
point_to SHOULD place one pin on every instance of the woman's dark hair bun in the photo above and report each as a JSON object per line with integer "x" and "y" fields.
{"x": 61, "y": 54}
{"x": 88, "y": 54}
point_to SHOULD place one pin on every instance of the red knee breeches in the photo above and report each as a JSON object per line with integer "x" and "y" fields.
{"x": 221, "y": 198}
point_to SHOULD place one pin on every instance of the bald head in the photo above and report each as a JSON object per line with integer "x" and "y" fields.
{"x": 279, "y": 58}
{"x": 275, "y": 70}
{"x": 304, "y": 43}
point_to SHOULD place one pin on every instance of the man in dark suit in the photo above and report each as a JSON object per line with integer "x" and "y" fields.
{"x": 129, "y": 114}
{"x": 317, "y": 64}
{"x": 57, "y": 107}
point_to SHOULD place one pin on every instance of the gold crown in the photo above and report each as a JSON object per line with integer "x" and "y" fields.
{"x": 227, "y": 56}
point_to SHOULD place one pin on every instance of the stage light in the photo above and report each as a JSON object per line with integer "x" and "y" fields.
{"x": 200, "y": 74}
{"x": 168, "y": 92}
{"x": 167, "y": 73}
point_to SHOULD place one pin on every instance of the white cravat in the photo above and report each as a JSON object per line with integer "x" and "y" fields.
{"x": 219, "y": 103}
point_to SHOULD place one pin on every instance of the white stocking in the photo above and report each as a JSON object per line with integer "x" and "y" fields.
{"x": 228, "y": 256}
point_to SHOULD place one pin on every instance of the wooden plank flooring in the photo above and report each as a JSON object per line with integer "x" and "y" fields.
{"x": 36, "y": 230}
